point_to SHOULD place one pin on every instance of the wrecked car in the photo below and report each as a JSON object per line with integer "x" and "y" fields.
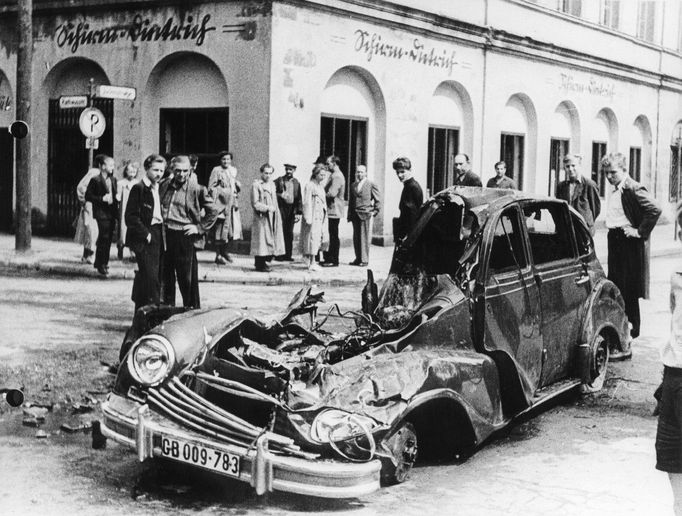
{"x": 495, "y": 303}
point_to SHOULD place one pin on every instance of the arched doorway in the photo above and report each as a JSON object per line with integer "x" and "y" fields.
{"x": 67, "y": 158}
{"x": 604, "y": 138}
{"x": 564, "y": 136}
{"x": 179, "y": 119}
{"x": 640, "y": 150}
{"x": 6, "y": 154}
{"x": 517, "y": 133}
{"x": 675, "y": 184}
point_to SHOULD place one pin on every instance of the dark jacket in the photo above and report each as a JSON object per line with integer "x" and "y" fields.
{"x": 585, "y": 199}
{"x": 97, "y": 189}
{"x": 138, "y": 216}
{"x": 410, "y": 202}
{"x": 362, "y": 204}
{"x": 505, "y": 183}
{"x": 640, "y": 208}
{"x": 468, "y": 179}
{"x": 297, "y": 205}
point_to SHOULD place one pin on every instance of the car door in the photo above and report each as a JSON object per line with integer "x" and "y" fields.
{"x": 563, "y": 282}
{"x": 512, "y": 301}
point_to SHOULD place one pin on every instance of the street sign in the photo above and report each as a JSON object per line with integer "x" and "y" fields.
{"x": 73, "y": 101}
{"x": 92, "y": 143}
{"x": 19, "y": 129}
{"x": 116, "y": 92}
{"x": 92, "y": 123}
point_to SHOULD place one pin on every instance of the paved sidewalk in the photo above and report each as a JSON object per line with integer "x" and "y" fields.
{"x": 54, "y": 256}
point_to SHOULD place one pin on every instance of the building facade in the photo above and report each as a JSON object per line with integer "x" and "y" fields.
{"x": 520, "y": 80}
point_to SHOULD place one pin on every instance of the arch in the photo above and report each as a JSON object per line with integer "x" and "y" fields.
{"x": 606, "y": 127}
{"x": 193, "y": 122}
{"x": 518, "y": 128}
{"x": 451, "y": 106}
{"x": 72, "y": 77}
{"x": 7, "y": 113}
{"x": 352, "y": 100}
{"x": 639, "y": 141}
{"x": 566, "y": 123}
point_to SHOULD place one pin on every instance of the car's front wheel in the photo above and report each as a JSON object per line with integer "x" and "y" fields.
{"x": 403, "y": 446}
{"x": 598, "y": 364}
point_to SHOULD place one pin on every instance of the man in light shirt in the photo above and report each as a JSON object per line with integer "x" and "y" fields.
{"x": 631, "y": 215}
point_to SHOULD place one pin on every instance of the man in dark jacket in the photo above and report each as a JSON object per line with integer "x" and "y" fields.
{"x": 410, "y": 200}
{"x": 101, "y": 192}
{"x": 290, "y": 205}
{"x": 364, "y": 203}
{"x": 631, "y": 215}
{"x": 501, "y": 179}
{"x": 335, "y": 189}
{"x": 144, "y": 236}
{"x": 579, "y": 191}
{"x": 463, "y": 175}
{"x": 188, "y": 212}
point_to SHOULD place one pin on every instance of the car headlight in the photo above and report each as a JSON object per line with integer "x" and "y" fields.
{"x": 151, "y": 359}
{"x": 333, "y": 425}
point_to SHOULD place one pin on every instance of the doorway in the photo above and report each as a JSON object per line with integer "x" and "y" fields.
{"x": 443, "y": 147}
{"x": 347, "y": 139}
{"x": 6, "y": 179}
{"x": 558, "y": 149}
{"x": 511, "y": 152}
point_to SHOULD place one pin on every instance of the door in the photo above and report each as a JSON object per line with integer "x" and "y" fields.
{"x": 563, "y": 282}
{"x": 512, "y": 300}
{"x": 511, "y": 152}
{"x": 443, "y": 147}
{"x": 68, "y": 162}
{"x": 557, "y": 150}
{"x": 347, "y": 139}
{"x": 6, "y": 179}
{"x": 598, "y": 152}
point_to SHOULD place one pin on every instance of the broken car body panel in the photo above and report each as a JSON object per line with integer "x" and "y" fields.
{"x": 493, "y": 304}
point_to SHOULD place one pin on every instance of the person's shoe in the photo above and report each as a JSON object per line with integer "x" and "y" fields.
{"x": 227, "y": 257}
{"x": 354, "y": 262}
{"x": 263, "y": 268}
{"x": 288, "y": 259}
{"x": 362, "y": 264}
{"x": 86, "y": 259}
{"x": 280, "y": 258}
{"x": 220, "y": 260}
{"x": 329, "y": 264}
{"x": 102, "y": 270}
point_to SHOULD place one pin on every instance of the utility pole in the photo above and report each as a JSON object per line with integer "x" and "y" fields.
{"x": 23, "y": 145}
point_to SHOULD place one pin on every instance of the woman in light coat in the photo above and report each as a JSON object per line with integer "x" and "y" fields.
{"x": 267, "y": 237}
{"x": 223, "y": 186}
{"x": 314, "y": 230}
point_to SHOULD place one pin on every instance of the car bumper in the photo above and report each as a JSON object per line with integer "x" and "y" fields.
{"x": 132, "y": 424}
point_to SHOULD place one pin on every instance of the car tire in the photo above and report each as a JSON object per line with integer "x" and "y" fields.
{"x": 403, "y": 446}
{"x": 598, "y": 364}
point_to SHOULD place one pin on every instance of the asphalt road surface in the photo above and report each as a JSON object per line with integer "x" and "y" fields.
{"x": 581, "y": 456}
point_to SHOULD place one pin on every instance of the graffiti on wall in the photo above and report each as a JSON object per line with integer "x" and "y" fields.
{"x": 373, "y": 44}
{"x": 593, "y": 86}
{"x": 73, "y": 35}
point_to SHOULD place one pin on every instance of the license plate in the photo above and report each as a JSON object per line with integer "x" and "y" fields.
{"x": 198, "y": 455}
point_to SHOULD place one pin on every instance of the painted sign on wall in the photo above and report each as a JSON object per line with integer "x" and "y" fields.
{"x": 593, "y": 86}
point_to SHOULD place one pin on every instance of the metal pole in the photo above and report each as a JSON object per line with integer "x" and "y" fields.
{"x": 23, "y": 146}
{"x": 91, "y": 97}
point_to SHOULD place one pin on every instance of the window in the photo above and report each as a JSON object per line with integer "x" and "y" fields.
{"x": 511, "y": 152}
{"x": 636, "y": 163}
{"x": 347, "y": 139}
{"x": 646, "y": 15}
{"x": 557, "y": 150}
{"x": 200, "y": 131}
{"x": 548, "y": 232}
{"x": 598, "y": 152}
{"x": 443, "y": 147}
{"x": 610, "y": 13}
{"x": 572, "y": 7}
{"x": 676, "y": 170}
{"x": 507, "y": 251}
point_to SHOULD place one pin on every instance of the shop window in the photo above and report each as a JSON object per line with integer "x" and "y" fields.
{"x": 200, "y": 131}
{"x": 636, "y": 163}
{"x": 548, "y": 234}
{"x": 610, "y": 13}
{"x": 443, "y": 147}
{"x": 646, "y": 17}
{"x": 511, "y": 152}
{"x": 557, "y": 150}
{"x": 572, "y": 7}
{"x": 347, "y": 139}
{"x": 598, "y": 152}
{"x": 507, "y": 251}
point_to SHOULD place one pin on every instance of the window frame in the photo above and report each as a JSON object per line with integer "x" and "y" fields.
{"x": 563, "y": 226}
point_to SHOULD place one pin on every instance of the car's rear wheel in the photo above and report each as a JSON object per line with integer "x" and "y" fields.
{"x": 598, "y": 364}
{"x": 403, "y": 446}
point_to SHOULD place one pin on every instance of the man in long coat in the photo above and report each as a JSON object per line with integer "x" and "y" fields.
{"x": 363, "y": 204}
{"x": 267, "y": 238}
{"x": 579, "y": 191}
{"x": 631, "y": 215}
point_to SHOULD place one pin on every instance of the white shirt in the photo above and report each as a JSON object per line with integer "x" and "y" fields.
{"x": 615, "y": 216}
{"x": 156, "y": 214}
{"x": 671, "y": 348}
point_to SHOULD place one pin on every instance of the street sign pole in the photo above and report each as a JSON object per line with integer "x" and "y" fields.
{"x": 23, "y": 145}
{"x": 91, "y": 96}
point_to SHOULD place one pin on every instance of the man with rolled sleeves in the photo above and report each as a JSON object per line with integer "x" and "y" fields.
{"x": 631, "y": 215}
{"x": 101, "y": 192}
{"x": 363, "y": 204}
{"x": 335, "y": 189}
{"x": 290, "y": 204}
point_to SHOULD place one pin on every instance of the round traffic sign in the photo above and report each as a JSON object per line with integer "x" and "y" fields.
{"x": 92, "y": 122}
{"x": 18, "y": 129}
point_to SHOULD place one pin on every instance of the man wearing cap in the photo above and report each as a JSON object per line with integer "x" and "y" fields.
{"x": 290, "y": 207}
{"x": 363, "y": 204}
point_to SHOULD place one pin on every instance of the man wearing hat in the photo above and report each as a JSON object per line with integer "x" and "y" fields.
{"x": 290, "y": 207}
